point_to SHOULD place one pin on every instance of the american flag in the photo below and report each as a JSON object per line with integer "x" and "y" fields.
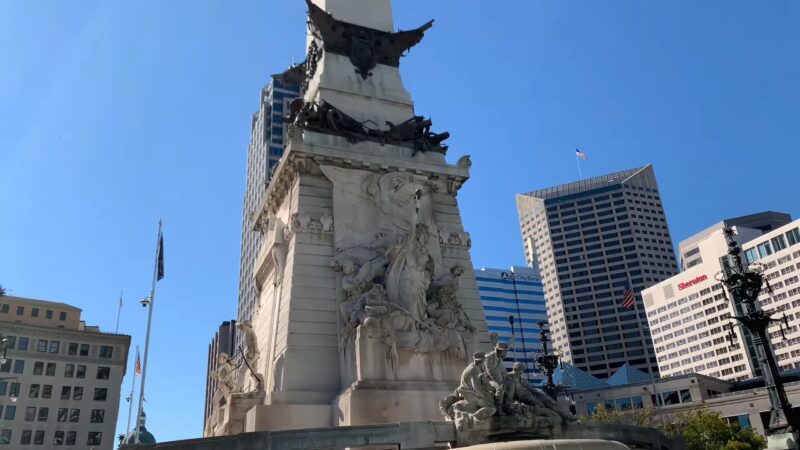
{"x": 627, "y": 298}
{"x": 581, "y": 155}
{"x": 137, "y": 369}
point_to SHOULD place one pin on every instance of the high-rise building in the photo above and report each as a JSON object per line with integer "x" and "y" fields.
{"x": 514, "y": 293}
{"x": 60, "y": 379}
{"x": 224, "y": 341}
{"x": 266, "y": 147}
{"x": 690, "y": 314}
{"x": 592, "y": 240}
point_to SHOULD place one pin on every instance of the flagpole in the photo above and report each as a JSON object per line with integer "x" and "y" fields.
{"x": 119, "y": 311}
{"x": 147, "y": 338}
{"x": 130, "y": 398}
{"x": 647, "y": 356}
{"x": 578, "y": 159}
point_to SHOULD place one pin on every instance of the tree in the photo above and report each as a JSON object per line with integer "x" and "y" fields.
{"x": 2, "y": 290}
{"x": 701, "y": 428}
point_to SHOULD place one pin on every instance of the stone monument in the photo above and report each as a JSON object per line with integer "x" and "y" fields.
{"x": 368, "y": 308}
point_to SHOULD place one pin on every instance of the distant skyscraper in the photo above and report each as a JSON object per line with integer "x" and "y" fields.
{"x": 591, "y": 239}
{"x": 518, "y": 293}
{"x": 224, "y": 341}
{"x": 263, "y": 153}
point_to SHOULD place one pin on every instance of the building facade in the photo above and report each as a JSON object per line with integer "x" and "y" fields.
{"x": 224, "y": 341}
{"x": 691, "y": 314}
{"x": 265, "y": 150}
{"x": 592, "y": 239}
{"x": 60, "y": 379}
{"x": 514, "y": 293}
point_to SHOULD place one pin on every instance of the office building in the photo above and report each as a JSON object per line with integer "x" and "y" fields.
{"x": 591, "y": 239}
{"x": 691, "y": 314}
{"x": 265, "y": 150}
{"x": 517, "y": 293}
{"x": 224, "y": 341}
{"x": 60, "y": 379}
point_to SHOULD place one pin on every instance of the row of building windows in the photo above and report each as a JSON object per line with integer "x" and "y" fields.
{"x": 46, "y": 391}
{"x": 49, "y": 369}
{"x": 41, "y": 414}
{"x": 5, "y": 308}
{"x": 60, "y": 437}
{"x": 770, "y": 246}
{"x": 22, "y": 344}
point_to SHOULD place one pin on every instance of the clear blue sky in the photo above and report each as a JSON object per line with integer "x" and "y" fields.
{"x": 116, "y": 113}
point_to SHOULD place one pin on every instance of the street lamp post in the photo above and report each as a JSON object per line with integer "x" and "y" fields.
{"x": 744, "y": 285}
{"x": 548, "y": 361}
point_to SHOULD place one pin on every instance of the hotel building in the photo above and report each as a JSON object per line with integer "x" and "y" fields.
{"x": 514, "y": 293}
{"x": 591, "y": 239}
{"x": 59, "y": 378}
{"x": 691, "y": 314}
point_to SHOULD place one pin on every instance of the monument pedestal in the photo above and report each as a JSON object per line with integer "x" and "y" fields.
{"x": 783, "y": 441}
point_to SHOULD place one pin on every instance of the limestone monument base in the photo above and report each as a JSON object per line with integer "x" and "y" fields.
{"x": 783, "y": 441}
{"x": 554, "y": 444}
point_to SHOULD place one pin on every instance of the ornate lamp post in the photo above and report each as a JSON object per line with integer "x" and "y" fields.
{"x": 744, "y": 285}
{"x": 548, "y": 362}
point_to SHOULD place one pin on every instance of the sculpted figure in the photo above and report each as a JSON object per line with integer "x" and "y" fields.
{"x": 496, "y": 373}
{"x": 409, "y": 273}
{"x": 518, "y": 389}
{"x": 473, "y": 399}
{"x": 224, "y": 375}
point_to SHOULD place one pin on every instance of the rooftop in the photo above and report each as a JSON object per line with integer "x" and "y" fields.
{"x": 589, "y": 184}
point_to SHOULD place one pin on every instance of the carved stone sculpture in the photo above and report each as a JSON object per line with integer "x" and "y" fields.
{"x": 410, "y": 270}
{"x": 500, "y": 401}
{"x": 225, "y": 375}
{"x": 364, "y": 47}
{"x": 250, "y": 354}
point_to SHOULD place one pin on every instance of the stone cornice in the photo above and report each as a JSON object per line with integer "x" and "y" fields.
{"x": 307, "y": 149}
{"x": 66, "y": 332}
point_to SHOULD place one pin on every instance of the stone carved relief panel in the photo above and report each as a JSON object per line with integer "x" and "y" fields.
{"x": 388, "y": 253}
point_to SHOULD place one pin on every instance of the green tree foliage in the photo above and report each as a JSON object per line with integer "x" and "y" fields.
{"x": 702, "y": 429}
{"x": 2, "y": 290}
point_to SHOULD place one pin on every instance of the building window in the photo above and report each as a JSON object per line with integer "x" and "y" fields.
{"x": 103, "y": 373}
{"x": 43, "y": 412}
{"x": 20, "y": 310}
{"x": 100, "y": 394}
{"x": 47, "y": 391}
{"x": 4, "y": 308}
{"x": 14, "y": 390}
{"x": 106, "y": 351}
{"x": 30, "y": 413}
{"x": 48, "y": 314}
{"x": 11, "y": 411}
{"x": 33, "y": 392}
{"x": 34, "y": 312}
{"x": 77, "y": 393}
{"x": 72, "y": 349}
{"x": 19, "y": 365}
{"x": 6, "y": 366}
{"x": 74, "y": 415}
{"x": 84, "y": 349}
{"x": 66, "y": 392}
{"x": 5, "y": 437}
{"x": 54, "y": 346}
{"x": 94, "y": 438}
{"x": 98, "y": 415}
{"x": 793, "y": 236}
{"x": 41, "y": 346}
{"x": 22, "y": 344}
{"x": 81, "y": 372}
{"x": 26, "y": 437}
{"x": 58, "y": 438}
{"x": 50, "y": 371}
{"x": 62, "y": 316}
{"x": 71, "y": 437}
{"x": 38, "y": 437}
{"x": 62, "y": 415}
{"x": 765, "y": 249}
{"x": 69, "y": 370}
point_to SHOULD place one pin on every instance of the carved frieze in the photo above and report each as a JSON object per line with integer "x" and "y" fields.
{"x": 454, "y": 239}
{"x": 305, "y": 223}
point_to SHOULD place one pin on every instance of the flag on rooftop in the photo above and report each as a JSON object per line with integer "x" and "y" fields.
{"x": 581, "y": 155}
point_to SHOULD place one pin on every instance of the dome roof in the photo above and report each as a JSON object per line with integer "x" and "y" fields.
{"x": 145, "y": 437}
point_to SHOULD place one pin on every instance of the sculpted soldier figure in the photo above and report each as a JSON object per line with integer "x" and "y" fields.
{"x": 496, "y": 374}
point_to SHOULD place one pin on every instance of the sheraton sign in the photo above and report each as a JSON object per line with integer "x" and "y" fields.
{"x": 691, "y": 283}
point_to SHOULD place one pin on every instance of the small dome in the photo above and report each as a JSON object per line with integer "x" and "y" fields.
{"x": 145, "y": 437}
